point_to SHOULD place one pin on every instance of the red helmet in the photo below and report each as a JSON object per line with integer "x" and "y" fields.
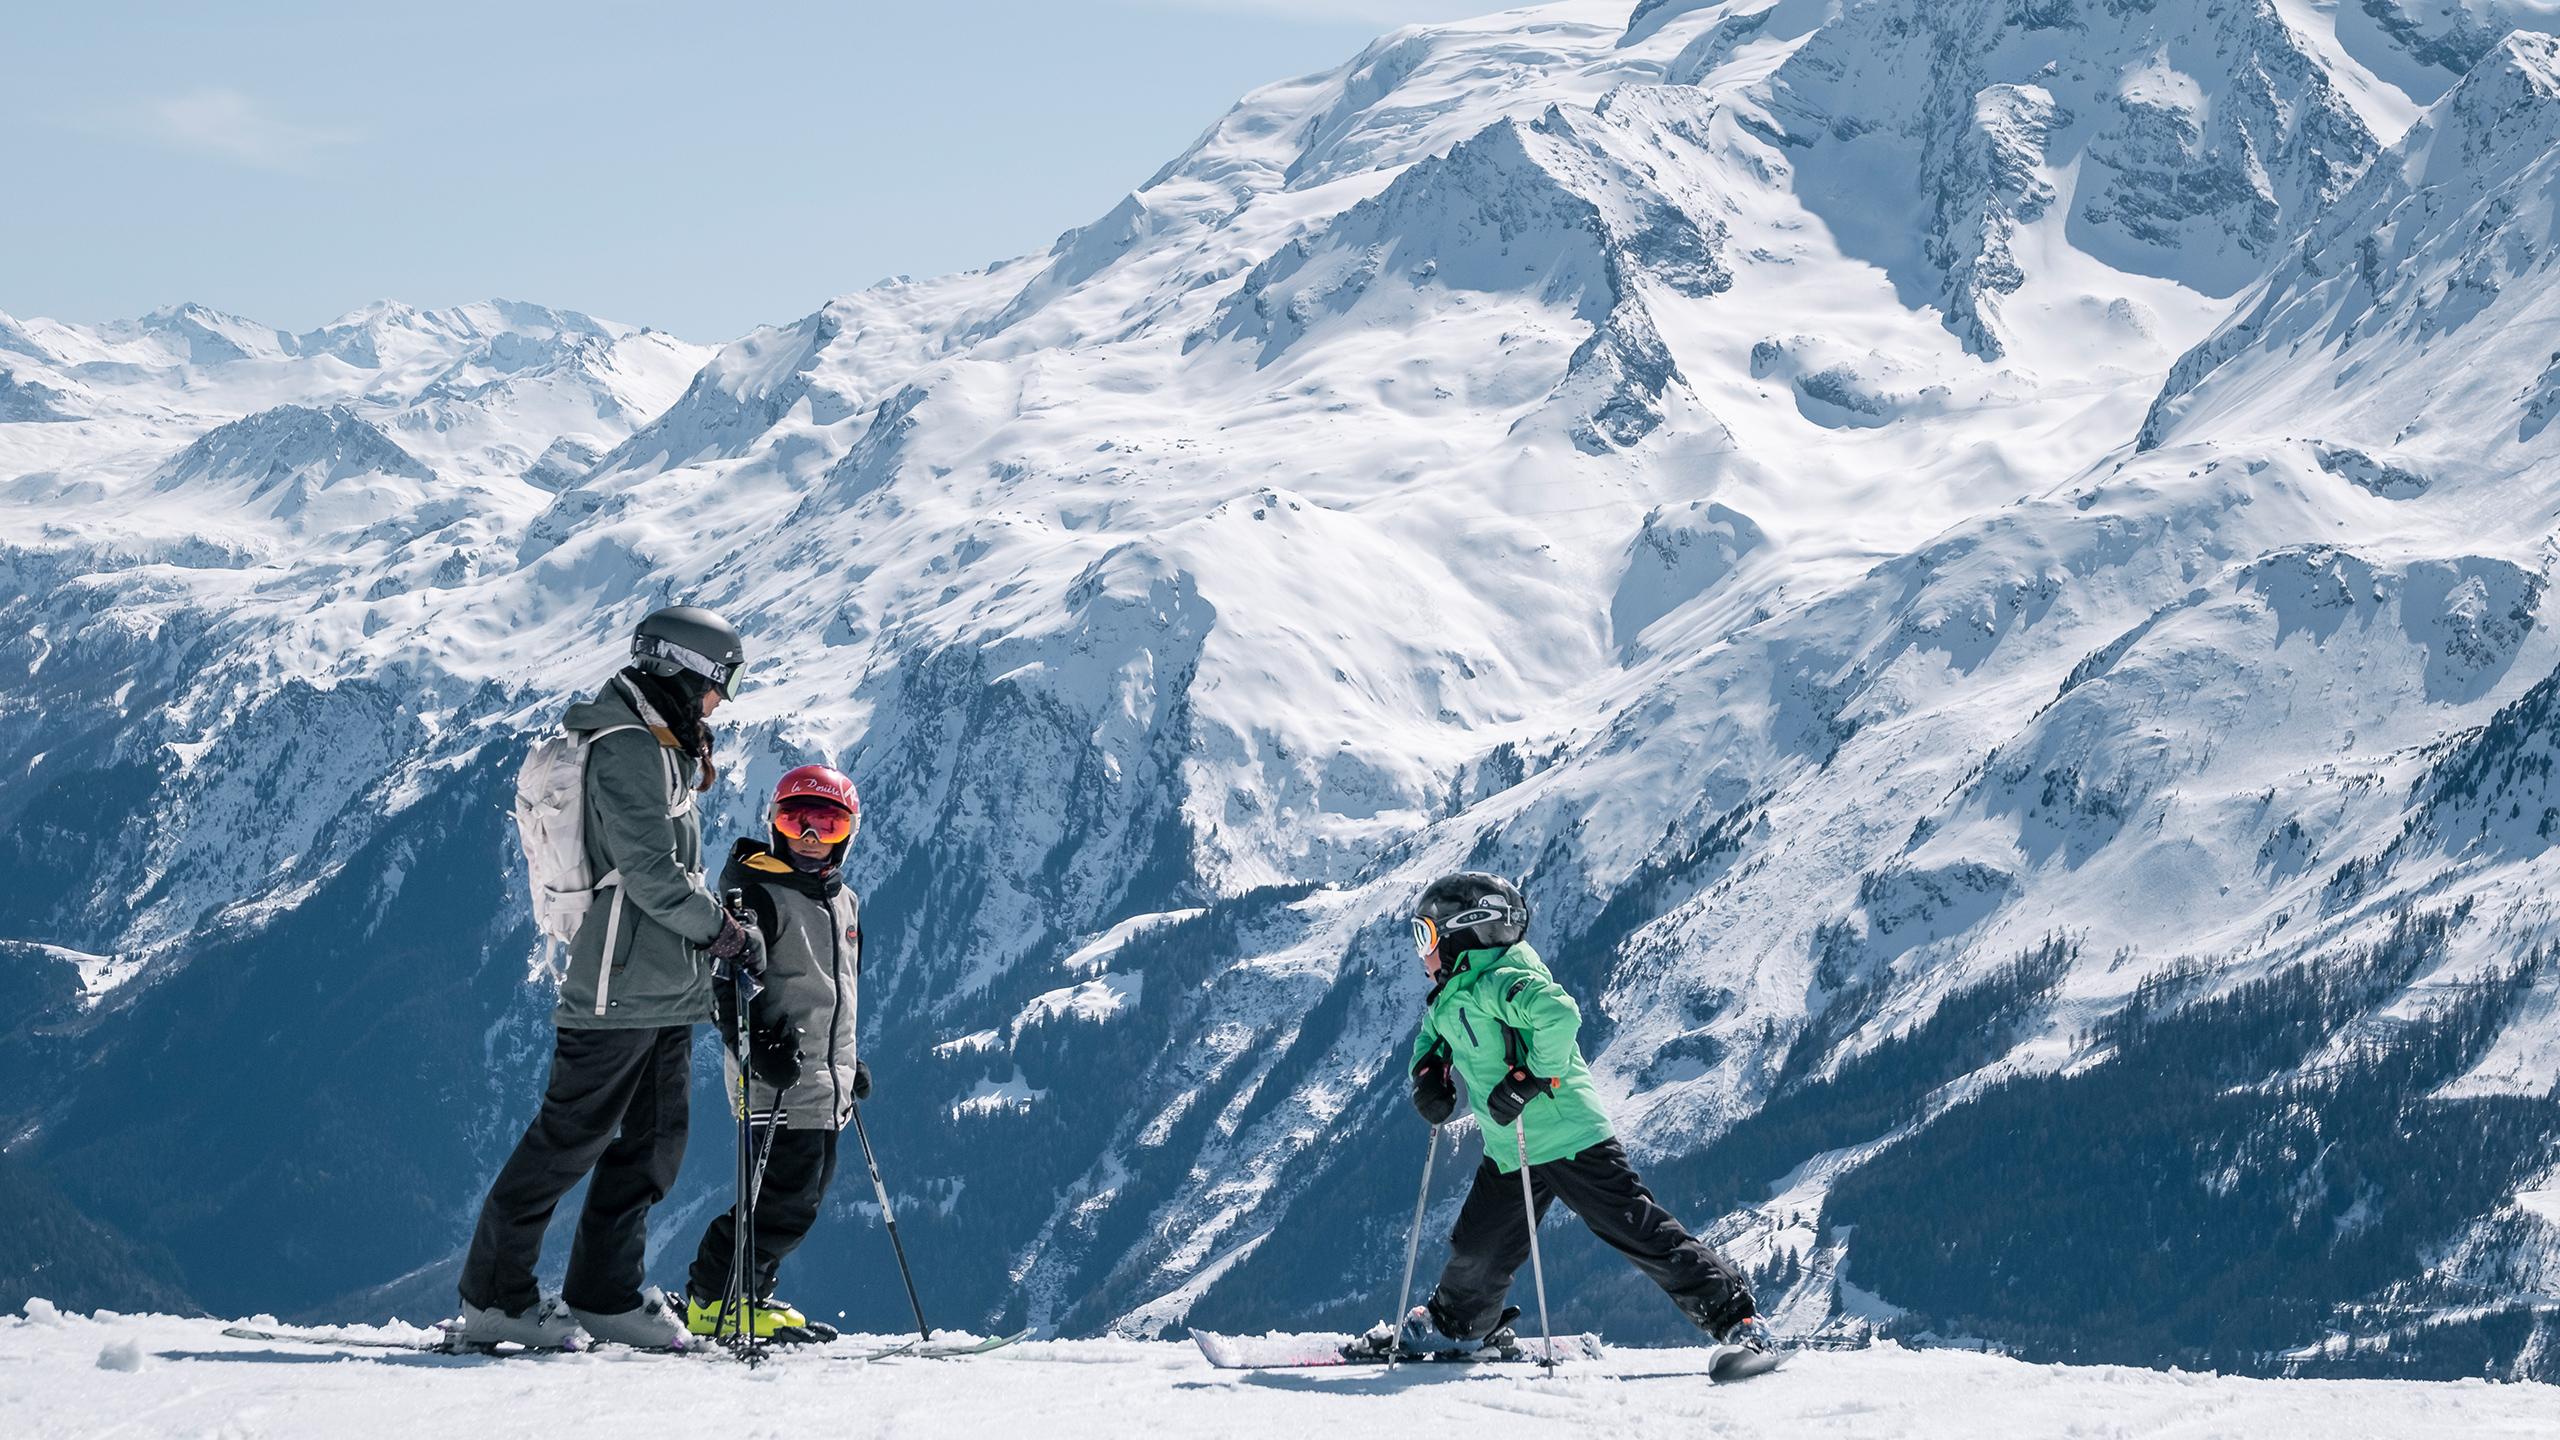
{"x": 816, "y": 788}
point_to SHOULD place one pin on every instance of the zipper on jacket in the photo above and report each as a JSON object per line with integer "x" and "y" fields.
{"x": 1471, "y": 1028}
{"x": 835, "y": 975}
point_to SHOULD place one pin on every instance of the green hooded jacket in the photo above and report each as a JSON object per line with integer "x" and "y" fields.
{"x": 1498, "y": 1003}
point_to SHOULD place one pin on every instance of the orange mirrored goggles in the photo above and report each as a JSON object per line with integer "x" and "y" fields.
{"x": 1426, "y": 936}
{"x": 813, "y": 819}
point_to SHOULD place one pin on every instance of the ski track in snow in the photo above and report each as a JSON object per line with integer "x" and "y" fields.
{"x": 72, "y": 1377}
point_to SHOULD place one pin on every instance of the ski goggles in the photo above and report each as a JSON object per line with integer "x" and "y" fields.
{"x": 1428, "y": 932}
{"x": 818, "y": 819}
{"x": 724, "y": 678}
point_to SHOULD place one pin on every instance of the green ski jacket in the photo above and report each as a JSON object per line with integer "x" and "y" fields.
{"x": 1500, "y": 1004}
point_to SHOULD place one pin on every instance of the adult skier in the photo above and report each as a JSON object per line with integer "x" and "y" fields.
{"x": 800, "y": 1046}
{"x": 1498, "y": 1020}
{"x": 636, "y": 982}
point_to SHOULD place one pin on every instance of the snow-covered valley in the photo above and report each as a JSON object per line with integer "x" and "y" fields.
{"x": 1982, "y": 559}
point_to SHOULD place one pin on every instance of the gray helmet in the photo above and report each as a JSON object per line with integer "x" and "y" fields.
{"x": 689, "y": 640}
{"x": 1470, "y": 910}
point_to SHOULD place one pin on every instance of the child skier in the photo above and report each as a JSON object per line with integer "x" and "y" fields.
{"x": 1498, "y": 1019}
{"x": 800, "y": 1045}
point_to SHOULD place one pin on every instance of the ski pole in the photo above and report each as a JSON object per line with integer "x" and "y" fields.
{"x": 764, "y": 1147}
{"x": 742, "y": 1230}
{"x": 743, "y": 988}
{"x": 1413, "y": 1244}
{"x": 890, "y": 1216}
{"x": 732, "y": 1303}
{"x": 746, "y": 1256}
{"x": 1537, "y": 1268}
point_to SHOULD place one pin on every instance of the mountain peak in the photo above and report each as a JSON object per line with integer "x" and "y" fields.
{"x": 2442, "y": 235}
{"x": 2496, "y": 116}
{"x": 206, "y": 336}
{"x": 323, "y": 445}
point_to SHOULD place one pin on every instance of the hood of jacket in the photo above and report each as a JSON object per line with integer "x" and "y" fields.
{"x": 618, "y": 702}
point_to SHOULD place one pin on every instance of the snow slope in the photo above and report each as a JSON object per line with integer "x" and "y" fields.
{"x": 1921, "y": 530}
{"x": 67, "y": 1376}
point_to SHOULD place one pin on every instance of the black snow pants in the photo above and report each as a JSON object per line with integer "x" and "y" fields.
{"x": 797, "y": 1172}
{"x": 1491, "y": 1242}
{"x": 616, "y": 1106}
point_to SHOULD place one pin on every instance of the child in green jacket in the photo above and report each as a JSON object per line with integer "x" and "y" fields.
{"x": 1497, "y": 1019}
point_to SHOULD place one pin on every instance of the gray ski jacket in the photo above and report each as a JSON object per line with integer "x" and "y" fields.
{"x": 813, "y": 977}
{"x": 654, "y": 914}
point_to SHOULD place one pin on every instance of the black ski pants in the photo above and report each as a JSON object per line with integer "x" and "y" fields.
{"x": 615, "y": 1106}
{"x": 798, "y": 1170}
{"x": 1490, "y": 1242}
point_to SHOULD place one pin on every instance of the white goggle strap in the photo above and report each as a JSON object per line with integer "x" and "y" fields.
{"x": 722, "y": 676}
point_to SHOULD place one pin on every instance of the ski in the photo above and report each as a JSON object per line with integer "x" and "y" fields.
{"x": 244, "y": 1332}
{"x": 445, "y": 1344}
{"x": 1296, "y": 1352}
{"x": 954, "y": 1352}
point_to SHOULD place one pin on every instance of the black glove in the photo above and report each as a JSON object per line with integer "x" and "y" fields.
{"x": 776, "y": 1058}
{"x": 763, "y": 1018}
{"x": 724, "y": 1014}
{"x": 861, "y": 1080}
{"x": 739, "y": 944}
{"x": 1435, "y": 1094}
{"x": 1514, "y": 1094}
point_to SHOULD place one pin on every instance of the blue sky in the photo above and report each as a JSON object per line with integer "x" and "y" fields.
{"x": 702, "y": 168}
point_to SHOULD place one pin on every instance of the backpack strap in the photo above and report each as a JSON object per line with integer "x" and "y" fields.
{"x": 679, "y": 796}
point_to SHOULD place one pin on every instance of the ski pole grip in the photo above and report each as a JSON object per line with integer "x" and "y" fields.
{"x": 747, "y": 985}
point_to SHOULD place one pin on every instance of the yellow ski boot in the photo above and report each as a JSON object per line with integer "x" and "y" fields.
{"x": 764, "y": 1319}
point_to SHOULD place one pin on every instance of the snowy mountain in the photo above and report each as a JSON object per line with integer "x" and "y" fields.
{"x": 1983, "y": 561}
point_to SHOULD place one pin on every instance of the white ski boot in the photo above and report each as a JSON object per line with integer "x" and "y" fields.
{"x": 1420, "y": 1336}
{"x": 1746, "y": 1348}
{"x": 656, "y": 1323}
{"x": 1416, "y": 1336}
{"x": 545, "y": 1326}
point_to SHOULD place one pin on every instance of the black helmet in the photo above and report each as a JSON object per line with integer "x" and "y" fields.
{"x": 687, "y": 640}
{"x": 1469, "y": 911}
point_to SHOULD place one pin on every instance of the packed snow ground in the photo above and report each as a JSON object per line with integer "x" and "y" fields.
{"x": 77, "y": 1376}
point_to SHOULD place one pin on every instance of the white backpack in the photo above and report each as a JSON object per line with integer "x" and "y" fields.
{"x": 551, "y": 821}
